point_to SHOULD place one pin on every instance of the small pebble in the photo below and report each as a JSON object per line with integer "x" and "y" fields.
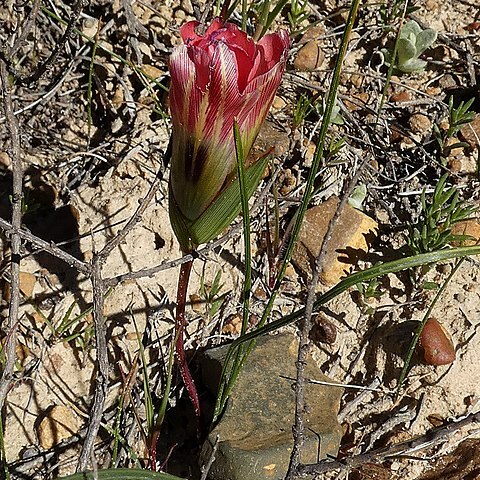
{"x": 152, "y": 71}
{"x": 289, "y": 182}
{"x": 60, "y": 423}
{"x": 323, "y": 330}
{"x": 278, "y": 103}
{"x": 420, "y": 123}
{"x": 401, "y": 97}
{"x": 471, "y": 131}
{"x": 437, "y": 344}
{"x": 456, "y": 151}
{"x": 309, "y": 57}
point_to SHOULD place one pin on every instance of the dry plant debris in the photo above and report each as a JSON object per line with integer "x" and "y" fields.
{"x": 89, "y": 261}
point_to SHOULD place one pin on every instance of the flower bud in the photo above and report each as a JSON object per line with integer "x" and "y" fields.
{"x": 217, "y": 78}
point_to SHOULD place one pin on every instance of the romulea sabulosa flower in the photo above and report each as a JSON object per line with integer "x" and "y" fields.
{"x": 217, "y": 78}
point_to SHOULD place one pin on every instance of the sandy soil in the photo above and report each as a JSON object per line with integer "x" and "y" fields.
{"x": 102, "y": 182}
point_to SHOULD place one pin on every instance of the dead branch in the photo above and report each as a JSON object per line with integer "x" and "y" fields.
{"x": 300, "y": 406}
{"x": 423, "y": 442}
{"x": 102, "y": 361}
{"x": 50, "y": 248}
{"x": 12, "y": 323}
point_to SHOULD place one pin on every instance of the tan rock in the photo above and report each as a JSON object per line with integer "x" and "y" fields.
{"x": 278, "y": 103}
{"x": 462, "y": 164}
{"x": 313, "y": 33}
{"x": 469, "y": 227}
{"x": 433, "y": 91}
{"x": 5, "y": 160}
{"x": 197, "y": 303}
{"x": 309, "y": 57}
{"x": 456, "y": 151}
{"x": 90, "y": 27}
{"x": 61, "y": 422}
{"x": 348, "y": 241}
{"x": 400, "y": 97}
{"x": 233, "y": 325}
{"x": 471, "y": 131}
{"x": 357, "y": 101}
{"x": 309, "y": 154}
{"x": 431, "y": 5}
{"x": 27, "y": 284}
{"x": 118, "y": 97}
{"x": 152, "y": 71}
{"x": 268, "y": 137}
{"x": 289, "y": 182}
{"x": 357, "y": 80}
{"x": 22, "y": 352}
{"x": 420, "y": 123}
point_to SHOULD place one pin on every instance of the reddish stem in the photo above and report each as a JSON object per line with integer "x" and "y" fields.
{"x": 224, "y": 10}
{"x": 180, "y": 324}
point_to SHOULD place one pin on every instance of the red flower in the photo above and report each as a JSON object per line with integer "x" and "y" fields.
{"x": 217, "y": 78}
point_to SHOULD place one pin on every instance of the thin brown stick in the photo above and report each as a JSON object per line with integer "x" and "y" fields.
{"x": 136, "y": 217}
{"x": 51, "y": 248}
{"x": 300, "y": 405}
{"x": 17, "y": 171}
{"x": 50, "y": 60}
{"x": 99, "y": 287}
{"x": 102, "y": 361}
{"x": 423, "y": 442}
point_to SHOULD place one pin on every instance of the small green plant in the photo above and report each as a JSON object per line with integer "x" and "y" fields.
{"x": 211, "y": 296}
{"x": 358, "y": 196}
{"x": 391, "y": 10}
{"x": 433, "y": 231}
{"x": 297, "y": 13}
{"x": 368, "y": 291}
{"x": 412, "y": 42}
{"x": 457, "y": 118}
{"x": 335, "y": 117}
{"x": 303, "y": 108}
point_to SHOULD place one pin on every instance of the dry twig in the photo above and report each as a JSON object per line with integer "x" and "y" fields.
{"x": 423, "y": 442}
{"x": 11, "y": 326}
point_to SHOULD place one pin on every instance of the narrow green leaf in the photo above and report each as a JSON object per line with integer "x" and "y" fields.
{"x": 354, "y": 279}
{"x": 121, "y": 474}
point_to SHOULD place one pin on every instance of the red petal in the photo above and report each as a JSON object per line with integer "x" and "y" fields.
{"x": 224, "y": 99}
{"x": 188, "y": 86}
{"x": 216, "y": 24}
{"x": 271, "y": 50}
{"x": 259, "y": 96}
{"x": 188, "y": 32}
{"x": 274, "y": 46}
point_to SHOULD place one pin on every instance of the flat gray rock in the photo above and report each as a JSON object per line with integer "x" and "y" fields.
{"x": 255, "y": 432}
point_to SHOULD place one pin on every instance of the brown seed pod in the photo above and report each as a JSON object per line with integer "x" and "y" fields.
{"x": 437, "y": 344}
{"x": 323, "y": 330}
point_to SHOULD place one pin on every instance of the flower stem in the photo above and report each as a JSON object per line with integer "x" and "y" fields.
{"x": 180, "y": 324}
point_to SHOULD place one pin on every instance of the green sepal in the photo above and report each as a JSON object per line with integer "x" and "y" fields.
{"x": 219, "y": 214}
{"x": 227, "y": 205}
{"x": 121, "y": 474}
{"x": 179, "y": 225}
